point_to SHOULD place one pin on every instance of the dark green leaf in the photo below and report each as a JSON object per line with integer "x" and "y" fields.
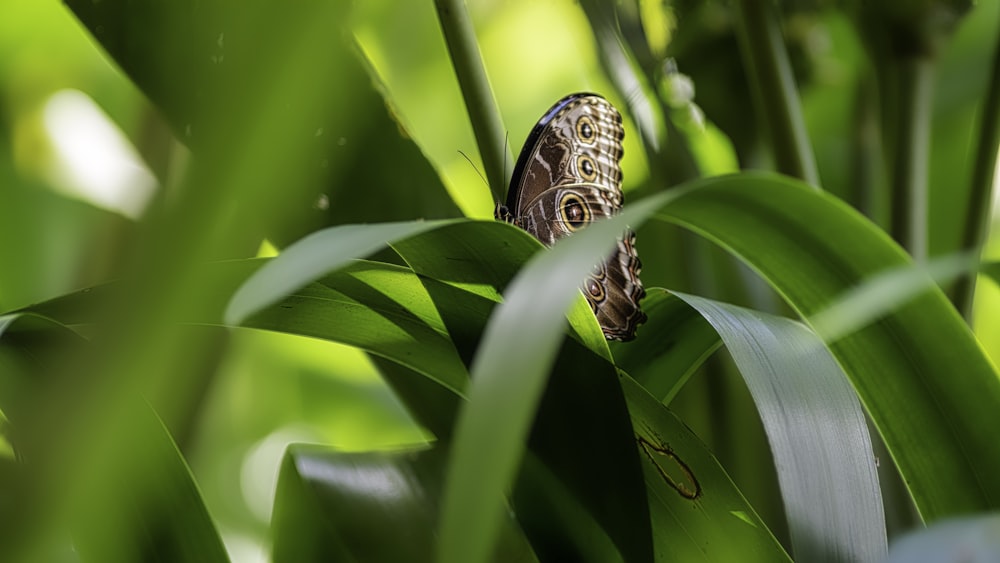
{"x": 370, "y": 506}
{"x": 814, "y": 249}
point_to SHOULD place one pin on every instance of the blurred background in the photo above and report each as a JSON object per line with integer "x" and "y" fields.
{"x": 83, "y": 152}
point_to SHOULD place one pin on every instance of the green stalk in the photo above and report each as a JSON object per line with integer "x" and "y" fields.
{"x": 770, "y": 74}
{"x": 977, "y": 214}
{"x": 914, "y": 93}
{"x": 491, "y": 135}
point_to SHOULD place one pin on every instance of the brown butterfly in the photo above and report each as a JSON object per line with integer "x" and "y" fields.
{"x": 567, "y": 176}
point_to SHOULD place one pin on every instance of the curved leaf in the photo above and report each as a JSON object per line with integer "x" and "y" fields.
{"x": 366, "y": 506}
{"x": 508, "y": 375}
{"x": 672, "y": 344}
{"x": 813, "y": 249}
{"x": 377, "y": 307}
{"x": 817, "y": 433}
{"x": 311, "y": 257}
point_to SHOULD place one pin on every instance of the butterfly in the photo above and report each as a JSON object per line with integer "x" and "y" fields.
{"x": 568, "y": 175}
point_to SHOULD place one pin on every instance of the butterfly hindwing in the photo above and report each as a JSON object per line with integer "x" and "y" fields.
{"x": 567, "y": 176}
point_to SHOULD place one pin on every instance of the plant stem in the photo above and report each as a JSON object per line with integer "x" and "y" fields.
{"x": 491, "y": 135}
{"x": 770, "y": 74}
{"x": 978, "y": 212}
{"x": 914, "y": 93}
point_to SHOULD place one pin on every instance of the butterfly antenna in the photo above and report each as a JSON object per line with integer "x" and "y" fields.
{"x": 474, "y": 167}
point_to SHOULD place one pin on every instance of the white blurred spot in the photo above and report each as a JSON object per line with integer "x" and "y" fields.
{"x": 259, "y": 473}
{"x": 323, "y": 202}
{"x": 94, "y": 160}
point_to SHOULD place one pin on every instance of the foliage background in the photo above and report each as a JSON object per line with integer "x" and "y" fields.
{"x": 270, "y": 389}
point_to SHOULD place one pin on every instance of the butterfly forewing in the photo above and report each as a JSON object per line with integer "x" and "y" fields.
{"x": 567, "y": 176}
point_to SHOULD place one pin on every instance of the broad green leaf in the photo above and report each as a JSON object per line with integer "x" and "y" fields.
{"x": 698, "y": 513}
{"x": 366, "y": 506}
{"x": 156, "y": 512}
{"x": 196, "y": 60}
{"x": 816, "y": 429}
{"x": 581, "y": 435}
{"x": 885, "y": 292}
{"x": 813, "y": 249}
{"x": 508, "y": 375}
{"x": 483, "y": 257}
{"x": 311, "y": 257}
{"x": 378, "y": 307}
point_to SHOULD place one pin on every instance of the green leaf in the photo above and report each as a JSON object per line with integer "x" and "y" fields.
{"x": 378, "y": 307}
{"x": 698, "y": 513}
{"x": 672, "y": 344}
{"x": 508, "y": 375}
{"x": 155, "y": 513}
{"x": 991, "y": 269}
{"x": 311, "y": 257}
{"x": 816, "y": 429}
{"x": 581, "y": 436}
{"x": 197, "y": 61}
{"x": 814, "y": 249}
{"x": 365, "y": 506}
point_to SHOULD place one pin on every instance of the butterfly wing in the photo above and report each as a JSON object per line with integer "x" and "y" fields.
{"x": 567, "y": 176}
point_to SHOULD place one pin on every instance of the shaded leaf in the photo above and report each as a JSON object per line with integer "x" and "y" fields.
{"x": 813, "y": 249}
{"x": 367, "y": 506}
{"x": 698, "y": 513}
{"x": 816, "y": 429}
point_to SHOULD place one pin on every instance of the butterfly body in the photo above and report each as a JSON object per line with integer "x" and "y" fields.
{"x": 567, "y": 176}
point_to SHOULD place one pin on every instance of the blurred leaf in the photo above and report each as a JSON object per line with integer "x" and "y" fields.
{"x": 957, "y": 540}
{"x": 57, "y": 244}
{"x": 372, "y": 507}
{"x": 195, "y": 60}
{"x": 581, "y": 435}
{"x": 991, "y": 269}
{"x": 816, "y": 429}
{"x": 87, "y": 305}
{"x": 885, "y": 292}
{"x": 168, "y": 519}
